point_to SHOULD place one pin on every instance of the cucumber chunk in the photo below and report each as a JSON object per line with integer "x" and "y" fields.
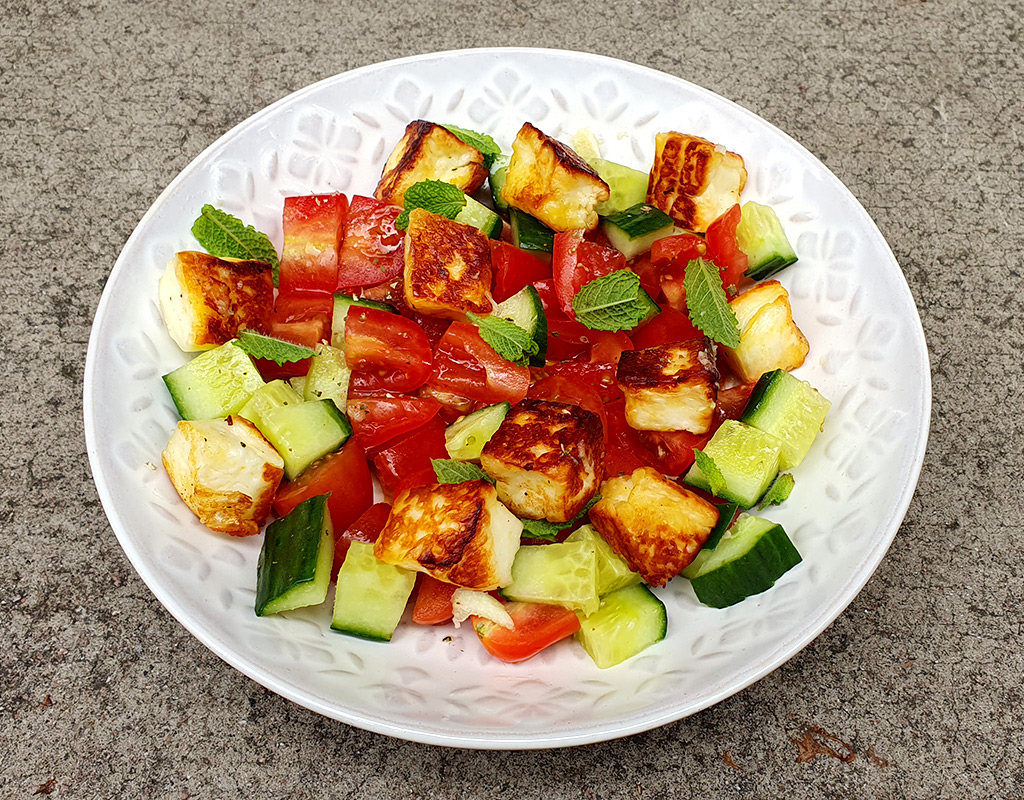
{"x": 480, "y": 217}
{"x": 342, "y": 303}
{"x": 531, "y": 235}
{"x": 633, "y": 231}
{"x": 464, "y": 439}
{"x": 789, "y": 409}
{"x": 497, "y": 180}
{"x": 748, "y": 459}
{"x": 753, "y": 554}
{"x": 294, "y": 566}
{"x": 371, "y": 596}
{"x": 269, "y": 396}
{"x": 627, "y": 186}
{"x": 328, "y": 377}
{"x": 525, "y": 309}
{"x": 726, "y": 515}
{"x": 627, "y": 622}
{"x": 560, "y": 574}
{"x": 613, "y": 573}
{"x": 761, "y": 237}
{"x": 214, "y": 384}
{"x": 305, "y": 432}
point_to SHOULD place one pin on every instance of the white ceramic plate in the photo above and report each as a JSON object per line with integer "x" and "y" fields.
{"x": 437, "y": 685}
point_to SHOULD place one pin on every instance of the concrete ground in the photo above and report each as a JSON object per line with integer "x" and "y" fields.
{"x": 913, "y": 692}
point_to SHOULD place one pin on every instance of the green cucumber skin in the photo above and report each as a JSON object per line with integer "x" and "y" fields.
{"x": 785, "y": 406}
{"x": 762, "y": 239}
{"x": 770, "y": 557}
{"x": 726, "y": 516}
{"x": 497, "y": 180}
{"x": 628, "y": 621}
{"x": 531, "y": 234}
{"x": 480, "y": 217}
{"x": 288, "y": 558}
{"x": 640, "y": 220}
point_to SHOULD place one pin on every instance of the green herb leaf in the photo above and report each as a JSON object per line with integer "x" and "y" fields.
{"x": 548, "y": 531}
{"x": 449, "y": 470}
{"x": 707, "y": 465}
{"x": 708, "y": 306}
{"x": 481, "y": 141}
{"x": 779, "y": 491}
{"x": 437, "y": 197}
{"x": 506, "y": 338}
{"x": 279, "y": 351}
{"x": 225, "y": 236}
{"x": 614, "y": 302}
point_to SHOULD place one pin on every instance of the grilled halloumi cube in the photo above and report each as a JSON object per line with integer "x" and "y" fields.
{"x": 456, "y": 532}
{"x": 547, "y": 459}
{"x": 447, "y": 267}
{"x": 670, "y": 387}
{"x": 225, "y": 471}
{"x": 430, "y": 152}
{"x": 205, "y": 301}
{"x": 547, "y": 180}
{"x": 769, "y": 338}
{"x": 693, "y": 180}
{"x": 655, "y": 525}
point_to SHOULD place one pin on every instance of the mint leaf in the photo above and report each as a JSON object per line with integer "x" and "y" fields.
{"x": 437, "y": 197}
{"x": 779, "y": 491}
{"x": 548, "y": 531}
{"x": 279, "y": 351}
{"x": 707, "y": 304}
{"x": 225, "y": 236}
{"x": 506, "y": 338}
{"x": 707, "y": 465}
{"x": 614, "y": 302}
{"x": 481, "y": 141}
{"x": 448, "y": 470}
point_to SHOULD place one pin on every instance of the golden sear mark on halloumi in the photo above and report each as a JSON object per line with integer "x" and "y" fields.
{"x": 205, "y": 301}
{"x": 459, "y": 533}
{"x": 430, "y": 152}
{"x": 652, "y": 523}
{"x": 547, "y": 459}
{"x": 670, "y": 387}
{"x": 447, "y": 267}
{"x": 693, "y": 180}
{"x": 547, "y": 180}
{"x": 769, "y": 338}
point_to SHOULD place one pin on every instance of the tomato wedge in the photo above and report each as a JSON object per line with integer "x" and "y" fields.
{"x": 378, "y": 419}
{"x": 391, "y": 351}
{"x": 724, "y": 251}
{"x": 465, "y": 365}
{"x": 537, "y": 625}
{"x": 513, "y": 269}
{"x": 344, "y": 474}
{"x": 433, "y": 601}
{"x": 669, "y": 257}
{"x": 372, "y": 251}
{"x": 575, "y": 262}
{"x": 405, "y": 460}
{"x": 313, "y": 229}
{"x": 366, "y": 528}
{"x": 301, "y": 318}
{"x": 667, "y": 326}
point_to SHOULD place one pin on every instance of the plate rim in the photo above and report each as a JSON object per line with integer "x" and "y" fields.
{"x": 622, "y": 725}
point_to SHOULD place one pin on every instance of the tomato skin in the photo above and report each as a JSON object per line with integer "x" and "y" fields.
{"x": 673, "y": 450}
{"x": 575, "y": 262}
{"x": 301, "y": 318}
{"x": 313, "y": 229}
{"x": 345, "y": 474}
{"x": 724, "y": 251}
{"x": 599, "y": 369}
{"x": 366, "y": 528}
{"x": 623, "y": 450}
{"x": 465, "y": 365}
{"x": 513, "y": 269}
{"x": 372, "y": 251}
{"x": 537, "y": 625}
{"x": 732, "y": 402}
{"x": 669, "y": 257}
{"x": 404, "y": 461}
{"x": 391, "y": 351}
{"x": 378, "y": 419}
{"x": 667, "y": 326}
{"x": 433, "y": 600}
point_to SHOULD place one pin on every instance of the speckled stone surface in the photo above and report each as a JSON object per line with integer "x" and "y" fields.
{"x": 915, "y": 691}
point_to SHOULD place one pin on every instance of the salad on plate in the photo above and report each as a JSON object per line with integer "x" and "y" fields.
{"x": 517, "y": 387}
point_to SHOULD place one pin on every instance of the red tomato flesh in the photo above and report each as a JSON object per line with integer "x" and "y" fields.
{"x": 366, "y": 528}
{"x": 313, "y": 229}
{"x": 344, "y": 474}
{"x": 724, "y": 251}
{"x": 405, "y": 460}
{"x": 576, "y": 262}
{"x": 391, "y": 351}
{"x": 514, "y": 269}
{"x": 378, "y": 419}
{"x": 465, "y": 365}
{"x": 667, "y": 326}
{"x": 537, "y": 625}
{"x": 300, "y": 318}
{"x": 433, "y": 601}
{"x": 372, "y": 251}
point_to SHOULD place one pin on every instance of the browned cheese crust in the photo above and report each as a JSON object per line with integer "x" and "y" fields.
{"x": 447, "y": 267}
{"x": 652, "y": 523}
